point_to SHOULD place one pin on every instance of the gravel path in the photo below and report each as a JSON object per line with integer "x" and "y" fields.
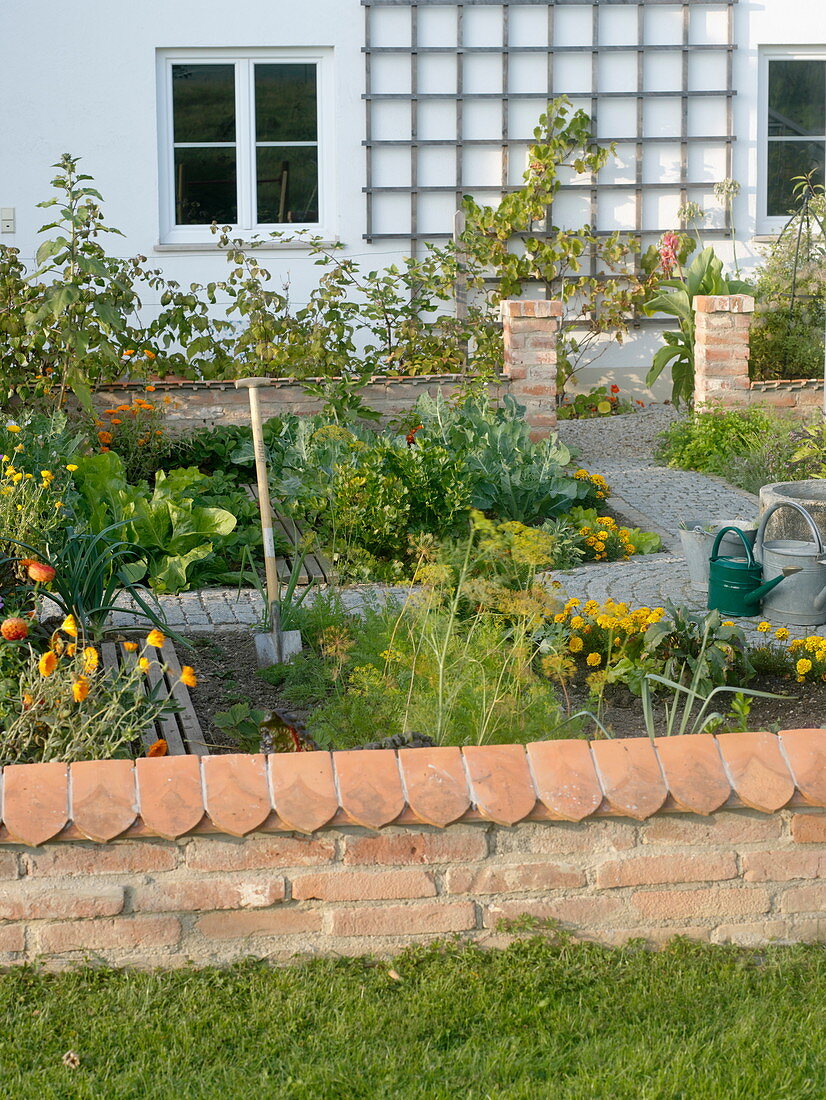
{"x": 644, "y": 494}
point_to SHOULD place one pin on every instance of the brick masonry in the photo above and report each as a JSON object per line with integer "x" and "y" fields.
{"x": 529, "y": 337}
{"x": 167, "y": 862}
{"x": 721, "y": 370}
{"x": 188, "y": 405}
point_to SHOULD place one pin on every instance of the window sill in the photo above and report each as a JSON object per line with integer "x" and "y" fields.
{"x": 258, "y": 246}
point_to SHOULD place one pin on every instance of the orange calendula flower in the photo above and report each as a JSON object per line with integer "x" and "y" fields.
{"x": 143, "y": 664}
{"x": 105, "y": 437}
{"x": 69, "y": 626}
{"x": 90, "y": 659}
{"x": 71, "y": 467}
{"x": 158, "y": 748}
{"x": 151, "y": 389}
{"x": 80, "y": 689}
{"x": 47, "y": 664}
{"x": 130, "y": 647}
{"x": 129, "y": 351}
{"x": 40, "y": 572}
{"x": 71, "y": 650}
{"x": 149, "y": 354}
{"x": 28, "y": 701}
{"x": 116, "y": 420}
{"x": 155, "y": 638}
{"x": 13, "y": 427}
{"x": 188, "y": 676}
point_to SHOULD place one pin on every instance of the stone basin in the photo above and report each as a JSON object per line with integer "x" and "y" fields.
{"x": 787, "y": 523}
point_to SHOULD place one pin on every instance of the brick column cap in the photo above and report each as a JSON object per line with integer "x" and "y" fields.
{"x": 537, "y": 307}
{"x": 723, "y": 303}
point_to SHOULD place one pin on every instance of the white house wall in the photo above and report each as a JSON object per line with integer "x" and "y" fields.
{"x": 83, "y": 79}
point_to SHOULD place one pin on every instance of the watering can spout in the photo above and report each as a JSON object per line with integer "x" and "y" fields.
{"x": 819, "y": 602}
{"x": 757, "y": 596}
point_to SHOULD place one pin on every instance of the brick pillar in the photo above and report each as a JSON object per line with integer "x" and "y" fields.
{"x": 530, "y": 330}
{"x": 721, "y": 348}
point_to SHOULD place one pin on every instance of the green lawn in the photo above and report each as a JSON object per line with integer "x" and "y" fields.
{"x": 538, "y": 1020}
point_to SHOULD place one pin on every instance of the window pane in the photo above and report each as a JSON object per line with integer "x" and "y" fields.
{"x": 797, "y": 98}
{"x": 288, "y": 185}
{"x": 203, "y": 100}
{"x": 205, "y": 186}
{"x": 787, "y": 159}
{"x": 285, "y": 103}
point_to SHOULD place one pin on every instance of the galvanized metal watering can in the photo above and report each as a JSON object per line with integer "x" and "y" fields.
{"x": 801, "y": 602}
{"x": 735, "y": 584}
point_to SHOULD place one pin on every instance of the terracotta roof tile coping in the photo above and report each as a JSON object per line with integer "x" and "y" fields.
{"x": 567, "y": 780}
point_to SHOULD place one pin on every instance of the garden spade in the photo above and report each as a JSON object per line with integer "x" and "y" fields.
{"x": 274, "y": 646}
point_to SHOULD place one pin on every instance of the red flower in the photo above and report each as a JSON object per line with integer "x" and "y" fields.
{"x": 40, "y": 573}
{"x": 411, "y": 435}
{"x": 615, "y": 389}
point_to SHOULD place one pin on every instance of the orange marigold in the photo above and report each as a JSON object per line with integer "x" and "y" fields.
{"x": 14, "y": 629}
{"x": 47, "y": 664}
{"x": 158, "y": 748}
{"x": 188, "y": 676}
{"x": 130, "y": 647}
{"x": 155, "y": 638}
{"x": 105, "y": 437}
{"x": 80, "y": 689}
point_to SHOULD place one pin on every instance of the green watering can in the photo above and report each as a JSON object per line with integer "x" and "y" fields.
{"x": 734, "y": 585}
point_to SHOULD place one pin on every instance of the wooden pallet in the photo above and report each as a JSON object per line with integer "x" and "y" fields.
{"x": 316, "y": 568}
{"x": 180, "y": 729}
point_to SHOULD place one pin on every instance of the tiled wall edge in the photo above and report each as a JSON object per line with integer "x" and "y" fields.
{"x": 568, "y": 780}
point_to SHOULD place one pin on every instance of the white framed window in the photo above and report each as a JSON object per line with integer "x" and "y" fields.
{"x": 245, "y": 139}
{"x": 792, "y": 126}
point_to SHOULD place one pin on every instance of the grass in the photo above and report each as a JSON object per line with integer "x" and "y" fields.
{"x": 539, "y": 1019}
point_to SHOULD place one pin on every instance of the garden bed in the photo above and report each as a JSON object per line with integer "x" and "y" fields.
{"x": 228, "y": 675}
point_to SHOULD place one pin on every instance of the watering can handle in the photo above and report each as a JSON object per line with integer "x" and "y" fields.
{"x": 719, "y": 538}
{"x": 761, "y": 530}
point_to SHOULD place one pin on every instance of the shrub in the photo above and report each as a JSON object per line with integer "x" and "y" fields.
{"x": 709, "y": 439}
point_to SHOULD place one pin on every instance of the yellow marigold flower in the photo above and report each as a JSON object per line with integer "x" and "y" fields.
{"x": 155, "y": 638}
{"x": 69, "y": 626}
{"x": 795, "y": 645}
{"x": 575, "y": 644}
{"x": 90, "y": 659}
{"x": 47, "y": 664}
{"x": 188, "y": 676}
{"x": 577, "y": 622}
{"x": 71, "y": 467}
{"x": 143, "y": 664}
{"x": 560, "y": 618}
{"x": 599, "y": 547}
{"x": 80, "y": 689}
{"x": 573, "y": 602}
{"x": 803, "y": 666}
{"x": 781, "y": 634}
{"x": 764, "y": 627}
{"x": 591, "y": 607}
{"x": 71, "y": 650}
{"x": 602, "y": 535}
{"x": 130, "y": 647}
{"x": 593, "y": 659}
{"x": 13, "y": 427}
{"x": 58, "y": 504}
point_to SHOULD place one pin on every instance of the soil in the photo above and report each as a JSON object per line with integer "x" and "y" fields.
{"x": 227, "y": 674}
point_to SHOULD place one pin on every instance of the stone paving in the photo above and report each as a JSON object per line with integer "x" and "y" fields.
{"x": 645, "y": 495}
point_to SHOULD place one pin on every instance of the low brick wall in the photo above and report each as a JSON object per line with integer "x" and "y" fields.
{"x": 188, "y": 405}
{"x": 171, "y": 861}
{"x": 529, "y": 330}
